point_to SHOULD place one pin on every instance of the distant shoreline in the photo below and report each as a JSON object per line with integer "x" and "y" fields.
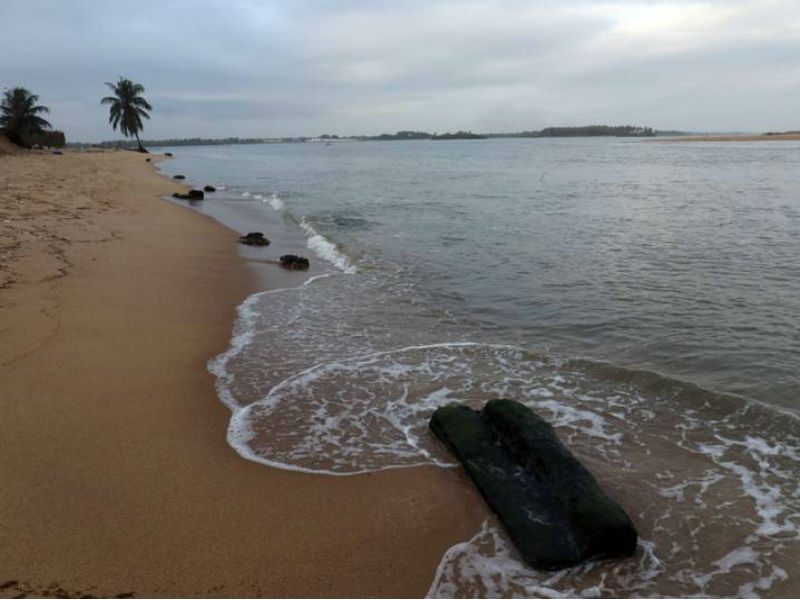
{"x": 778, "y": 137}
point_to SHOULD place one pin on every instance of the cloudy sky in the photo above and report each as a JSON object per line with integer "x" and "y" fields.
{"x": 255, "y": 68}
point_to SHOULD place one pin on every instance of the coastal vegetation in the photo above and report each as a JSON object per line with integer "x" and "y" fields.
{"x": 405, "y": 135}
{"x": 193, "y": 141}
{"x": 20, "y": 117}
{"x": 596, "y": 131}
{"x": 127, "y": 107}
{"x": 459, "y": 135}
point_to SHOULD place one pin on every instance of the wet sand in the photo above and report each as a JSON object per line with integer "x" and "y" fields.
{"x": 116, "y": 476}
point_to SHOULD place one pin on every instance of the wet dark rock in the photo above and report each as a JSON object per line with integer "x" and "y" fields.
{"x": 254, "y": 238}
{"x": 549, "y": 503}
{"x": 295, "y": 263}
{"x": 192, "y": 195}
{"x": 167, "y": 153}
{"x": 209, "y": 188}
{"x": 146, "y": 160}
{"x": 179, "y": 176}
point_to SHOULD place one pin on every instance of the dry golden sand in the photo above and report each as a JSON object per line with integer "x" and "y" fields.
{"x": 115, "y": 475}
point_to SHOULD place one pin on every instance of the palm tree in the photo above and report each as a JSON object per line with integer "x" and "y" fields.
{"x": 127, "y": 108}
{"x": 20, "y": 116}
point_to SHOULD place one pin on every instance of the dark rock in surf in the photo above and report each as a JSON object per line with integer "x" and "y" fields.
{"x": 179, "y": 176}
{"x": 254, "y": 238}
{"x": 192, "y": 195}
{"x": 209, "y": 188}
{"x": 295, "y": 263}
{"x": 167, "y": 153}
{"x": 550, "y": 504}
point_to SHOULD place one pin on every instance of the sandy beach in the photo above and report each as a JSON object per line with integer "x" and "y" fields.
{"x": 116, "y": 476}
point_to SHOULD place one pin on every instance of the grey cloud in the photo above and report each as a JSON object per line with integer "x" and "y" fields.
{"x": 286, "y": 67}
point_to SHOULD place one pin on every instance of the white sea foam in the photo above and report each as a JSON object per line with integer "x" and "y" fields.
{"x": 488, "y": 566}
{"x": 325, "y": 248}
{"x": 244, "y": 332}
{"x": 316, "y": 384}
{"x": 276, "y": 202}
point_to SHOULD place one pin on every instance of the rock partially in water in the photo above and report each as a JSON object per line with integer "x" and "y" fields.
{"x": 295, "y": 263}
{"x": 550, "y": 504}
{"x": 254, "y": 238}
{"x": 192, "y": 195}
{"x": 179, "y": 176}
{"x": 209, "y": 188}
{"x": 167, "y": 153}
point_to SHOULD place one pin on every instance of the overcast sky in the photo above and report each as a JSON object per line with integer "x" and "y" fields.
{"x": 279, "y": 68}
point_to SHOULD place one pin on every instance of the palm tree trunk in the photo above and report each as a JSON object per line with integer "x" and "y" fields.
{"x": 141, "y": 148}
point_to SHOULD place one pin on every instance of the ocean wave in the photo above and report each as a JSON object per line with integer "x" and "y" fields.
{"x": 489, "y": 566}
{"x": 320, "y": 379}
{"x": 276, "y": 202}
{"x": 325, "y": 248}
{"x": 321, "y": 245}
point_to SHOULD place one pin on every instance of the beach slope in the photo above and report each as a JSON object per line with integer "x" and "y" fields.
{"x": 116, "y": 476}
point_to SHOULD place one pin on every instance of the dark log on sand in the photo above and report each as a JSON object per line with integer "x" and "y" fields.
{"x": 549, "y": 503}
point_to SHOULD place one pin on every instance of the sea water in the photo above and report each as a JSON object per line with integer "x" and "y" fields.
{"x": 642, "y": 296}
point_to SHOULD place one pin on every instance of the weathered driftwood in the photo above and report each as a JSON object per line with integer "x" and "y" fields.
{"x": 550, "y": 504}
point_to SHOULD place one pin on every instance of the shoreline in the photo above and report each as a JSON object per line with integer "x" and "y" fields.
{"x": 117, "y": 475}
{"x": 781, "y": 137}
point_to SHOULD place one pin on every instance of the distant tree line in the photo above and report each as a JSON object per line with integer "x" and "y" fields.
{"x": 598, "y": 130}
{"x": 459, "y": 135}
{"x": 421, "y": 135}
{"x": 400, "y": 135}
{"x": 195, "y": 141}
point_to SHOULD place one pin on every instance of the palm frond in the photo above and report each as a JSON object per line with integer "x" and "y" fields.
{"x": 19, "y": 115}
{"x": 127, "y": 106}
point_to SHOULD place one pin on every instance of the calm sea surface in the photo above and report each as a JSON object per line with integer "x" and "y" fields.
{"x": 643, "y": 296}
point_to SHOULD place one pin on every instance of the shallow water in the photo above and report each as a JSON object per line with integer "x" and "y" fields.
{"x": 643, "y": 297}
